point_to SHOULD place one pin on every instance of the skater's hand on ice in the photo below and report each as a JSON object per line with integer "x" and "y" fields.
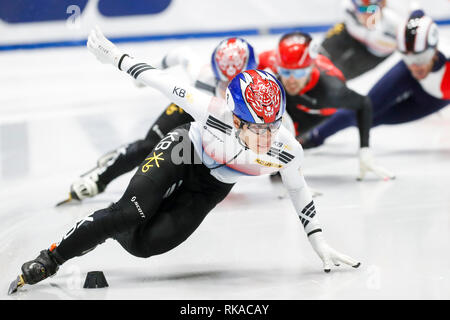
{"x": 328, "y": 255}
{"x": 103, "y": 49}
{"x": 367, "y": 163}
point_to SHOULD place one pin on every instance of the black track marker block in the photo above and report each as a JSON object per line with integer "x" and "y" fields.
{"x": 95, "y": 279}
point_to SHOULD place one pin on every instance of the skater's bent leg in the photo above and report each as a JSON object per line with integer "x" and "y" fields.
{"x": 96, "y": 228}
{"x": 159, "y": 171}
{"x": 168, "y": 228}
{"x": 133, "y": 208}
{"x": 171, "y": 228}
{"x": 394, "y": 87}
{"x": 417, "y": 107}
{"x": 175, "y": 221}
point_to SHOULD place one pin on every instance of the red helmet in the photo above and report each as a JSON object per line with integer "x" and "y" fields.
{"x": 294, "y": 51}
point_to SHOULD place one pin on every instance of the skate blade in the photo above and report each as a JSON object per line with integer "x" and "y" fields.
{"x": 16, "y": 284}
{"x": 69, "y": 199}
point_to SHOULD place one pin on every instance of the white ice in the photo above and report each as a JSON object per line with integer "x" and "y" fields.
{"x": 60, "y": 109}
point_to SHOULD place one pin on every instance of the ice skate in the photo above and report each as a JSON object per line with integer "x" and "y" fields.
{"x": 36, "y": 270}
{"x": 87, "y": 186}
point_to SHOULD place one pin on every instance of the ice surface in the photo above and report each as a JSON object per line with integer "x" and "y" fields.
{"x": 60, "y": 109}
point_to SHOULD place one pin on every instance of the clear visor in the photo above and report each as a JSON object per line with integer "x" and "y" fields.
{"x": 261, "y": 128}
{"x": 296, "y": 73}
{"x": 418, "y": 58}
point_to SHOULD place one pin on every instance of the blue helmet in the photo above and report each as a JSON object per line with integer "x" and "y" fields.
{"x": 231, "y": 56}
{"x": 256, "y": 96}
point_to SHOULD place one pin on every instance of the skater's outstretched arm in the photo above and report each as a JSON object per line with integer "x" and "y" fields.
{"x": 192, "y": 100}
{"x": 304, "y": 205}
{"x": 340, "y": 96}
{"x": 346, "y": 98}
